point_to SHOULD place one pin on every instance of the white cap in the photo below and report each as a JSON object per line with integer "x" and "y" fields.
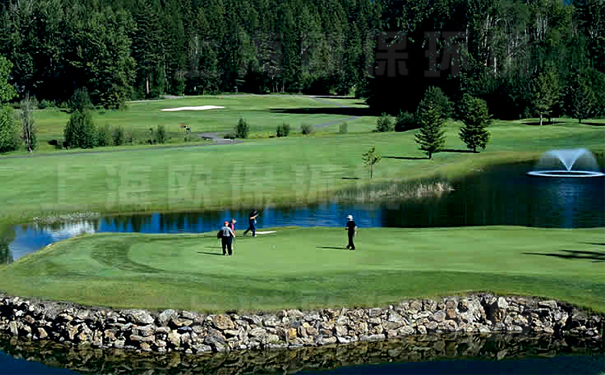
{"x": 350, "y": 217}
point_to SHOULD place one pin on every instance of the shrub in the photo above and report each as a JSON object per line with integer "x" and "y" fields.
{"x": 343, "y": 128}
{"x": 103, "y": 136}
{"x": 384, "y": 123}
{"x": 56, "y": 144}
{"x": 306, "y": 129}
{"x": 129, "y": 139}
{"x": 230, "y": 136}
{"x": 406, "y": 121}
{"x": 43, "y": 104}
{"x": 9, "y": 140}
{"x": 160, "y": 134}
{"x": 118, "y": 136}
{"x": 242, "y": 129}
{"x": 80, "y": 131}
{"x": 283, "y": 130}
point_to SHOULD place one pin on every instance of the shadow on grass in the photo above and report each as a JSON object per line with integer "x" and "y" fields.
{"x": 595, "y": 256}
{"x": 458, "y": 150}
{"x": 544, "y": 123}
{"x": 332, "y": 248}
{"x": 406, "y": 158}
{"x": 351, "y": 178}
{"x": 208, "y": 253}
{"x": 347, "y": 111}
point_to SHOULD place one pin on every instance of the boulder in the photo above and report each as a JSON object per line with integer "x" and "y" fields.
{"x": 223, "y": 322}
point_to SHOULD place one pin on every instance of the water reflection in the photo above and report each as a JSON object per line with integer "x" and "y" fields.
{"x": 502, "y": 196}
{"x": 470, "y": 352}
{"x": 7, "y": 235}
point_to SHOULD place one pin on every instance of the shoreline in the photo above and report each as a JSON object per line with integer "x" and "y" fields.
{"x": 198, "y": 333}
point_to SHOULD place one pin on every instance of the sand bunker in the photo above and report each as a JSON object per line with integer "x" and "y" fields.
{"x": 198, "y": 108}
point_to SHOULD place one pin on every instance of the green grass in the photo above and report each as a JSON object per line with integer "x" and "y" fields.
{"x": 284, "y": 171}
{"x": 308, "y": 268}
{"x": 263, "y": 113}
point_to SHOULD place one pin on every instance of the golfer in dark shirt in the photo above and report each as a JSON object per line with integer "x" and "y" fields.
{"x": 252, "y": 223}
{"x": 227, "y": 238}
{"x": 351, "y": 228}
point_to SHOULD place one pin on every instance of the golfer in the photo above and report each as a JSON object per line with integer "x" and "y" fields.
{"x": 351, "y": 228}
{"x": 227, "y": 238}
{"x": 252, "y": 223}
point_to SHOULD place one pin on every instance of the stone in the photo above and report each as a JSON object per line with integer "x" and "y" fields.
{"x": 502, "y": 304}
{"x": 329, "y": 340}
{"x": 551, "y": 304}
{"x": 165, "y": 316}
{"x": 549, "y": 330}
{"x": 375, "y": 321}
{"x": 147, "y": 330}
{"x": 312, "y": 316}
{"x": 140, "y": 316}
{"x": 431, "y": 326}
{"x": 450, "y": 314}
{"x": 341, "y": 330}
{"x": 257, "y": 332}
{"x": 223, "y": 322}
{"x": 291, "y": 334}
{"x": 137, "y": 338}
{"x": 252, "y": 319}
{"x": 374, "y": 312}
{"x": 119, "y": 344}
{"x": 438, "y": 316}
{"x": 421, "y": 329}
{"x": 42, "y": 333}
{"x": 407, "y": 331}
{"x": 231, "y": 332}
{"x": 174, "y": 338}
{"x": 342, "y": 340}
{"x": 272, "y": 321}
{"x": 271, "y": 339}
{"x": 145, "y": 347}
{"x": 201, "y": 348}
{"x": 12, "y": 326}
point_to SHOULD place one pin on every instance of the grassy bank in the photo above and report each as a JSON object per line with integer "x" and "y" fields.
{"x": 284, "y": 171}
{"x": 306, "y": 268}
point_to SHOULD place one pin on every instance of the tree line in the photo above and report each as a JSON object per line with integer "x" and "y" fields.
{"x": 524, "y": 57}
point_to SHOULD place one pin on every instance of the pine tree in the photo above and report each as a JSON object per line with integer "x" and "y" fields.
{"x": 476, "y": 120}
{"x": 431, "y": 136}
{"x": 583, "y": 100}
{"x": 8, "y": 131}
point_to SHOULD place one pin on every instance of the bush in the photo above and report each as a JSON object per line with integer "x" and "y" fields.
{"x": 343, "y": 128}
{"x": 43, "y": 104}
{"x": 118, "y": 136}
{"x": 80, "y": 131}
{"x": 129, "y": 139}
{"x": 230, "y": 136}
{"x": 283, "y": 130}
{"x": 103, "y": 136}
{"x": 242, "y": 129}
{"x": 9, "y": 139}
{"x": 56, "y": 144}
{"x": 160, "y": 134}
{"x": 406, "y": 121}
{"x": 384, "y": 123}
{"x": 306, "y": 129}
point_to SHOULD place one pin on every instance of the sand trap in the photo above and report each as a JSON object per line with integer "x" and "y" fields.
{"x": 266, "y": 232}
{"x": 198, "y": 108}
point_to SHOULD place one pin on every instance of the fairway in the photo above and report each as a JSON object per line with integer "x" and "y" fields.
{"x": 309, "y": 268}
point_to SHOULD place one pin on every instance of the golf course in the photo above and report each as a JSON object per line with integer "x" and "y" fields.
{"x": 295, "y": 267}
{"x": 310, "y": 268}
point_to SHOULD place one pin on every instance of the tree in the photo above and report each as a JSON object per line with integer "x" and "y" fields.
{"x": 80, "y": 130}
{"x": 8, "y": 131}
{"x": 28, "y": 129}
{"x": 242, "y": 129}
{"x": 384, "y": 123}
{"x": 437, "y": 98}
{"x": 431, "y": 137}
{"x": 80, "y": 101}
{"x": 546, "y": 92}
{"x": 476, "y": 120}
{"x": 371, "y": 158}
{"x": 582, "y": 100}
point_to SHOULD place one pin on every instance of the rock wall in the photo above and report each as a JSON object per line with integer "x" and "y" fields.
{"x": 192, "y": 332}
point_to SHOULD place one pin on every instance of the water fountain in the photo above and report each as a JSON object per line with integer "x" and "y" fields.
{"x": 561, "y": 163}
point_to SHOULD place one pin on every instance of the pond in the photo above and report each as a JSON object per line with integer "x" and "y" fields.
{"x": 493, "y": 354}
{"x": 503, "y": 195}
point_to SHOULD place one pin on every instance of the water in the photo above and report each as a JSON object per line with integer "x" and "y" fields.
{"x": 501, "y": 196}
{"x": 493, "y": 354}
{"x": 578, "y": 159}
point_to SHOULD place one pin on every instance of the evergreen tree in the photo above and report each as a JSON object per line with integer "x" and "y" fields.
{"x": 435, "y": 97}
{"x": 476, "y": 119}
{"x": 80, "y": 130}
{"x": 8, "y": 130}
{"x": 431, "y": 137}
{"x": 546, "y": 92}
{"x": 148, "y": 48}
{"x": 583, "y": 100}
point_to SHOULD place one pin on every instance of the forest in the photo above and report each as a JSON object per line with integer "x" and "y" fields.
{"x": 515, "y": 54}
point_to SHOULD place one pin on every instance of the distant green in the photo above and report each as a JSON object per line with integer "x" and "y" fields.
{"x": 309, "y": 268}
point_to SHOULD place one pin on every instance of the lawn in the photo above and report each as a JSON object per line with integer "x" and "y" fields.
{"x": 263, "y": 113}
{"x": 284, "y": 171}
{"x": 309, "y": 268}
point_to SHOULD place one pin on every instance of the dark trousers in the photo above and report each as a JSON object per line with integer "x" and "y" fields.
{"x": 227, "y": 244}
{"x": 351, "y": 245}
{"x": 252, "y": 228}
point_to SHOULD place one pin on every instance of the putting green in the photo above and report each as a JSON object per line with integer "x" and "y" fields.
{"x": 309, "y": 267}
